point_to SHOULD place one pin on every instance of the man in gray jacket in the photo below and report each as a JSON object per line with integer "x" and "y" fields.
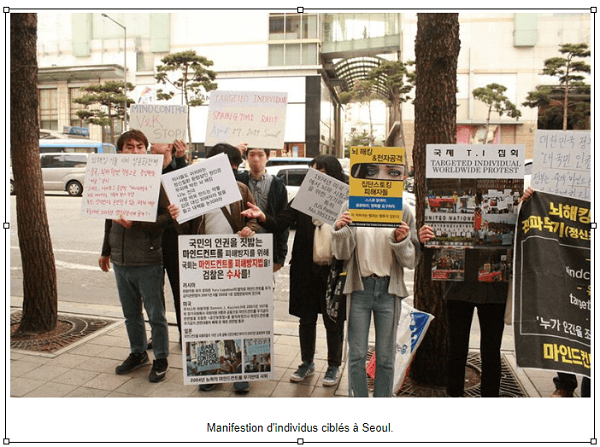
{"x": 136, "y": 254}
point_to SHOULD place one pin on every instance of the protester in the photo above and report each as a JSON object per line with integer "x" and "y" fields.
{"x": 136, "y": 254}
{"x": 173, "y": 159}
{"x": 461, "y": 300}
{"x": 308, "y": 282}
{"x": 376, "y": 258}
{"x": 270, "y": 195}
{"x": 226, "y": 220}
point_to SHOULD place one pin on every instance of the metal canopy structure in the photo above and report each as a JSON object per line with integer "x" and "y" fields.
{"x": 357, "y": 68}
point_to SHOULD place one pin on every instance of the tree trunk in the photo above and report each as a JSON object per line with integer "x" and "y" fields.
{"x": 436, "y": 49}
{"x": 40, "y": 298}
{"x": 566, "y": 101}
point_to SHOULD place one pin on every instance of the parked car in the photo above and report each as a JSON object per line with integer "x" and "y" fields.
{"x": 61, "y": 172}
{"x": 292, "y": 176}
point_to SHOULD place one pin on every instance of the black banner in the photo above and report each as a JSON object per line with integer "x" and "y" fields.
{"x": 553, "y": 300}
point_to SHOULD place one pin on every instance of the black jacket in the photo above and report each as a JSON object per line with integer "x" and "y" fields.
{"x": 277, "y": 202}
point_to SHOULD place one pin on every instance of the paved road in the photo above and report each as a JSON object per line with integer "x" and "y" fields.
{"x": 77, "y": 240}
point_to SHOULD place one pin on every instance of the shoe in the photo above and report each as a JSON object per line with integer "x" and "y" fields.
{"x": 562, "y": 393}
{"x": 159, "y": 370}
{"x": 206, "y": 387}
{"x": 149, "y": 344}
{"x": 305, "y": 370}
{"x": 132, "y": 362}
{"x": 332, "y": 376}
{"x": 241, "y": 387}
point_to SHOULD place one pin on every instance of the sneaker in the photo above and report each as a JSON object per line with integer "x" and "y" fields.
{"x": 159, "y": 370}
{"x": 241, "y": 387}
{"x": 562, "y": 393}
{"x": 132, "y": 362}
{"x": 206, "y": 387}
{"x": 305, "y": 370}
{"x": 332, "y": 376}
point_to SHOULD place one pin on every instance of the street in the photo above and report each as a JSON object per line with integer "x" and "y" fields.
{"x": 77, "y": 242}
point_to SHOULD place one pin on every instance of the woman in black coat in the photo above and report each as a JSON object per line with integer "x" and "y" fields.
{"x": 308, "y": 282}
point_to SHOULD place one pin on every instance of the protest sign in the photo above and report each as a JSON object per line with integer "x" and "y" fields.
{"x": 376, "y": 186}
{"x": 561, "y": 163}
{"x": 160, "y": 123}
{"x": 122, "y": 186}
{"x": 552, "y": 284}
{"x": 473, "y": 193}
{"x": 202, "y": 187}
{"x": 321, "y": 196}
{"x": 227, "y": 307}
{"x": 255, "y": 118}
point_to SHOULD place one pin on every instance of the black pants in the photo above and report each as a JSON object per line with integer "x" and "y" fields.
{"x": 491, "y": 322}
{"x": 308, "y": 338}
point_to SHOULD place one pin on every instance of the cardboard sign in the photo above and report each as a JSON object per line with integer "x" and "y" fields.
{"x": 227, "y": 307}
{"x": 122, "y": 185}
{"x": 202, "y": 187}
{"x": 561, "y": 163}
{"x": 321, "y": 196}
{"x": 256, "y": 118}
{"x": 160, "y": 123}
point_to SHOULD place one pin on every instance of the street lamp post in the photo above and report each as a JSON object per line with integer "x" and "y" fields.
{"x": 124, "y": 69}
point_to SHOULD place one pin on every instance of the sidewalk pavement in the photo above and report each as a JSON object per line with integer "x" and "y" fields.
{"x": 87, "y": 368}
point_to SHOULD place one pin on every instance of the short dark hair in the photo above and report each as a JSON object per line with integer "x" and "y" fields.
{"x": 133, "y": 134}
{"x": 233, "y": 153}
{"x": 267, "y": 151}
{"x": 331, "y": 165}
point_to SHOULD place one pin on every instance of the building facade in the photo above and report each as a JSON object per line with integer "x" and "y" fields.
{"x": 296, "y": 53}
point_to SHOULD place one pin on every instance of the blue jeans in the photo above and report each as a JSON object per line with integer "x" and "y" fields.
{"x": 137, "y": 285}
{"x": 385, "y": 308}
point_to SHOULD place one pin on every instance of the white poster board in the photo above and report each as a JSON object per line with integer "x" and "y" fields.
{"x": 255, "y": 118}
{"x": 321, "y": 196}
{"x": 227, "y": 308}
{"x": 202, "y": 187}
{"x": 562, "y": 162}
{"x": 122, "y": 185}
{"x": 160, "y": 123}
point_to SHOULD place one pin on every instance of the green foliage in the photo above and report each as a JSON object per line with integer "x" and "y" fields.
{"x": 392, "y": 74}
{"x": 193, "y": 76}
{"x": 357, "y": 139}
{"x": 571, "y": 97}
{"x": 111, "y": 99}
{"x": 493, "y": 96}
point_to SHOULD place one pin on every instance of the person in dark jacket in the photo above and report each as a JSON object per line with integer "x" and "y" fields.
{"x": 308, "y": 282}
{"x": 270, "y": 195}
{"x": 134, "y": 248}
{"x": 173, "y": 159}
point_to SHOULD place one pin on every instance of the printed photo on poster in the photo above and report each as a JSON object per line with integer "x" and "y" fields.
{"x": 473, "y": 193}
{"x": 227, "y": 307}
{"x": 448, "y": 264}
{"x": 376, "y": 186}
{"x": 257, "y": 355}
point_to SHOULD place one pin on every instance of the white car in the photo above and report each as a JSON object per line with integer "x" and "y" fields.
{"x": 292, "y": 176}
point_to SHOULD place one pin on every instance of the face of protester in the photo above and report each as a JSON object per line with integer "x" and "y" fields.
{"x": 134, "y": 147}
{"x": 257, "y": 160}
{"x": 381, "y": 171}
